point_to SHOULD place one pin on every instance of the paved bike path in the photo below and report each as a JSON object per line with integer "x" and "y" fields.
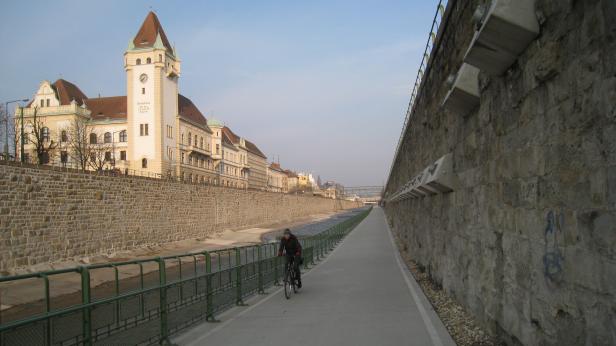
{"x": 360, "y": 294}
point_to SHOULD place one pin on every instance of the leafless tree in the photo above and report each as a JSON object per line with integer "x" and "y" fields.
{"x": 42, "y": 139}
{"x": 99, "y": 152}
{"x": 77, "y": 141}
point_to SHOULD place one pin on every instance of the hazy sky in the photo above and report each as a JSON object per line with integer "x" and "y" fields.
{"x": 323, "y": 85}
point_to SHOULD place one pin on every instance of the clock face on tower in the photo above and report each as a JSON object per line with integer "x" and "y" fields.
{"x": 143, "y": 78}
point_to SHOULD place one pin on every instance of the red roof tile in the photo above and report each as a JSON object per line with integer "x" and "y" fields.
{"x": 252, "y": 148}
{"x": 226, "y": 139}
{"x": 232, "y": 136}
{"x": 67, "y": 91}
{"x": 188, "y": 110}
{"x": 113, "y": 107}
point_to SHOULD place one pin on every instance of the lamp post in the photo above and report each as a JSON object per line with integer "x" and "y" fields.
{"x": 6, "y": 126}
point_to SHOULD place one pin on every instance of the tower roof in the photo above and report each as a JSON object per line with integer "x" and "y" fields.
{"x": 213, "y": 122}
{"x": 150, "y": 32}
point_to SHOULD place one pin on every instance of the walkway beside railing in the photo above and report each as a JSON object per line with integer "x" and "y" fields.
{"x": 167, "y": 295}
{"x": 362, "y": 294}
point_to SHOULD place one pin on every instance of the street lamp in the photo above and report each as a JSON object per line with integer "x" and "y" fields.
{"x": 6, "y": 126}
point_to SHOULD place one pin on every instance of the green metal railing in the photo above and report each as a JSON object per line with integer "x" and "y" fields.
{"x": 150, "y": 299}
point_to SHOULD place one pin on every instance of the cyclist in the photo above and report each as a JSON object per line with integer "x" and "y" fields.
{"x": 293, "y": 250}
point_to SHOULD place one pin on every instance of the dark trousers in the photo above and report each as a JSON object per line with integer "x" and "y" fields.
{"x": 294, "y": 261}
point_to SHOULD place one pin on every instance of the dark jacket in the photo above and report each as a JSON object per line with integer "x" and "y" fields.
{"x": 291, "y": 246}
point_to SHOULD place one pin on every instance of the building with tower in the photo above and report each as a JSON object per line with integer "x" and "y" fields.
{"x": 153, "y": 130}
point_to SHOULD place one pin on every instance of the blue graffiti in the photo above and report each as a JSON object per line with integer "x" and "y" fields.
{"x": 553, "y": 257}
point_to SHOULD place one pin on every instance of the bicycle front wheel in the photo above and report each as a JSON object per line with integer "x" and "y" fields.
{"x": 287, "y": 287}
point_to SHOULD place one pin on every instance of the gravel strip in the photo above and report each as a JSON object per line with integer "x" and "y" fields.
{"x": 462, "y": 327}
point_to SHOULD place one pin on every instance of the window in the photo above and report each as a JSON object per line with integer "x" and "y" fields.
{"x": 160, "y": 58}
{"x": 92, "y": 138}
{"x": 123, "y": 136}
{"x": 148, "y": 61}
{"x": 123, "y": 155}
{"x": 182, "y": 140}
{"x": 217, "y": 149}
{"x": 182, "y": 158}
{"x": 42, "y": 103}
{"x": 143, "y": 91}
{"x": 138, "y": 61}
{"x": 92, "y": 157}
{"x": 63, "y": 156}
{"x": 107, "y": 137}
{"x": 189, "y": 138}
{"x": 144, "y": 163}
{"x": 26, "y": 138}
{"x": 196, "y": 143}
{"x": 45, "y": 134}
{"x": 108, "y": 156}
{"x": 189, "y": 160}
{"x": 47, "y": 102}
{"x": 63, "y": 136}
{"x": 143, "y": 129}
{"x": 169, "y": 131}
{"x": 170, "y": 153}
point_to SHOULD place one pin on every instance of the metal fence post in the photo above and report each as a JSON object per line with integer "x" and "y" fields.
{"x": 260, "y": 269}
{"x": 85, "y": 300}
{"x": 47, "y": 309}
{"x": 275, "y": 261}
{"x": 209, "y": 297}
{"x": 164, "y": 330}
{"x": 238, "y": 272}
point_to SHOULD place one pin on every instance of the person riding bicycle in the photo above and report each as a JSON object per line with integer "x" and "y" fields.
{"x": 293, "y": 251}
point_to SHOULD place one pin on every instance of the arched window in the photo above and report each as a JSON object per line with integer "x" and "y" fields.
{"x": 92, "y": 138}
{"x": 63, "y": 136}
{"x": 138, "y": 61}
{"x": 123, "y": 136}
{"x": 189, "y": 138}
{"x": 107, "y": 137}
{"x": 45, "y": 134}
{"x": 144, "y": 163}
{"x": 148, "y": 61}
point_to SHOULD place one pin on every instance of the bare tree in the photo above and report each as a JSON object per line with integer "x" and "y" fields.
{"x": 41, "y": 138}
{"x": 99, "y": 152}
{"x": 78, "y": 137}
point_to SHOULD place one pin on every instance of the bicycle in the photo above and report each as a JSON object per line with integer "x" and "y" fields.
{"x": 290, "y": 285}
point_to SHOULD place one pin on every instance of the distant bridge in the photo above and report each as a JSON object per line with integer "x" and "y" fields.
{"x": 363, "y": 191}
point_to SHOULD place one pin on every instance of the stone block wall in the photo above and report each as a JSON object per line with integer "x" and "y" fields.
{"x": 46, "y": 215}
{"x": 527, "y": 241}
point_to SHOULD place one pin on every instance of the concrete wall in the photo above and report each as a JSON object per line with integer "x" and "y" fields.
{"x": 527, "y": 241}
{"x": 47, "y": 215}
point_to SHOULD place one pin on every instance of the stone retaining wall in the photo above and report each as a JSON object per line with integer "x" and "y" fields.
{"x": 527, "y": 241}
{"x": 46, "y": 215}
